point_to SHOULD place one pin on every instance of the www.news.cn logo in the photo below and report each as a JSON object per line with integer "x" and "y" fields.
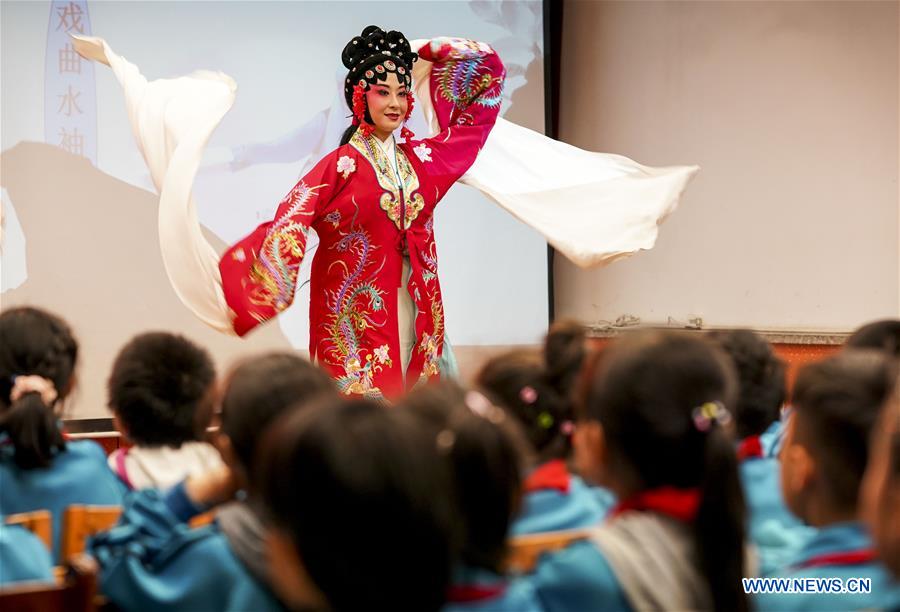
{"x": 807, "y": 585}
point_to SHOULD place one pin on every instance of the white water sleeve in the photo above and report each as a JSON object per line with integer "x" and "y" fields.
{"x": 172, "y": 120}
{"x": 593, "y": 208}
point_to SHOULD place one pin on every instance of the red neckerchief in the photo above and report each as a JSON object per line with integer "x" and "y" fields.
{"x": 552, "y": 475}
{"x": 468, "y": 593}
{"x": 680, "y": 504}
{"x": 851, "y": 557}
{"x": 750, "y": 448}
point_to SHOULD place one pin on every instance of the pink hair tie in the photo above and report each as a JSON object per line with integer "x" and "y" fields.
{"x": 23, "y": 385}
{"x": 528, "y": 395}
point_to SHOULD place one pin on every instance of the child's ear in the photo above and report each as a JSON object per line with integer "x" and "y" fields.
{"x": 119, "y": 426}
{"x": 591, "y": 451}
{"x": 798, "y": 471}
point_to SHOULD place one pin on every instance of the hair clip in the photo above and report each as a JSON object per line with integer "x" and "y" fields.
{"x": 528, "y": 394}
{"x": 545, "y": 420}
{"x": 708, "y": 413}
{"x": 483, "y": 407}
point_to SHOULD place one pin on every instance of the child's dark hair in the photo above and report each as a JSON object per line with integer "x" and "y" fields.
{"x": 761, "y": 380}
{"x": 537, "y": 389}
{"x": 160, "y": 388}
{"x": 484, "y": 452}
{"x": 359, "y": 492}
{"x": 837, "y": 402}
{"x": 258, "y": 391}
{"x": 882, "y": 335}
{"x": 34, "y": 342}
{"x": 645, "y": 392}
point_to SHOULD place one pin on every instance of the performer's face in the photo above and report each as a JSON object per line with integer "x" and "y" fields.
{"x": 387, "y": 105}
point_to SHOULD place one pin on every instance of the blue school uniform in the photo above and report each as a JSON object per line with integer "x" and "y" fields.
{"x": 555, "y": 500}
{"x": 77, "y": 475}
{"x": 577, "y": 578}
{"x": 777, "y": 534}
{"x": 479, "y": 590}
{"x": 840, "y": 551}
{"x": 153, "y": 560}
{"x": 23, "y": 557}
{"x": 773, "y": 438}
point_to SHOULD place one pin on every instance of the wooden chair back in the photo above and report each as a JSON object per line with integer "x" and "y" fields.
{"x": 39, "y": 522}
{"x": 81, "y": 522}
{"x": 525, "y": 550}
{"x": 75, "y": 593}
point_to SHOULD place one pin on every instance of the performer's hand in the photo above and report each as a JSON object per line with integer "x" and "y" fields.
{"x": 212, "y": 488}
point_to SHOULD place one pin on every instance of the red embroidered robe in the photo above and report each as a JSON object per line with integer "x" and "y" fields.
{"x": 366, "y": 222}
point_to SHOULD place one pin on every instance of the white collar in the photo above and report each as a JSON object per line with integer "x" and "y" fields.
{"x": 387, "y": 146}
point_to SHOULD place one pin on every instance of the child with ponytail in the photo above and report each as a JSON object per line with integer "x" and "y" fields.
{"x": 39, "y": 469}
{"x": 536, "y": 391}
{"x": 653, "y": 431}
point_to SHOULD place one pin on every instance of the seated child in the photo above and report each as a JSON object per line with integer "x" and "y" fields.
{"x": 23, "y": 557}
{"x": 160, "y": 394}
{"x": 880, "y": 497}
{"x": 39, "y": 469}
{"x": 653, "y": 432}
{"x": 483, "y": 451}
{"x": 536, "y": 390}
{"x": 359, "y": 519}
{"x": 836, "y": 403}
{"x": 776, "y": 533}
{"x": 152, "y": 559}
{"x": 881, "y": 335}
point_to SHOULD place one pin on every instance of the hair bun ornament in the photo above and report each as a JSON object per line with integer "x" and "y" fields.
{"x": 708, "y": 413}
{"x": 373, "y": 54}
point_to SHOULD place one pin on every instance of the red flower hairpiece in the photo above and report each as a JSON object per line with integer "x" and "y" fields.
{"x": 359, "y": 111}
{"x": 406, "y": 133}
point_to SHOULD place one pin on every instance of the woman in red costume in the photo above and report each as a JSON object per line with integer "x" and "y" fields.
{"x": 371, "y": 201}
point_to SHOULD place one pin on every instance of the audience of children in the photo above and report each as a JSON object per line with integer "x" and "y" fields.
{"x": 484, "y": 452}
{"x": 323, "y": 502}
{"x": 161, "y": 396}
{"x": 776, "y": 533}
{"x": 836, "y": 404}
{"x": 536, "y": 389}
{"x": 153, "y": 559}
{"x": 39, "y": 468}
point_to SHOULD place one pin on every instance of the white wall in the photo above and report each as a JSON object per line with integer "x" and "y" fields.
{"x": 791, "y": 110}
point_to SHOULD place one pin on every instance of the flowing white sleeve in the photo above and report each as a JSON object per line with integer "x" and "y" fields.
{"x": 593, "y": 208}
{"x": 172, "y": 120}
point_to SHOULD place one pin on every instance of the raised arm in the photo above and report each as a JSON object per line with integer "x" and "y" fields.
{"x": 259, "y": 273}
{"x": 463, "y": 80}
